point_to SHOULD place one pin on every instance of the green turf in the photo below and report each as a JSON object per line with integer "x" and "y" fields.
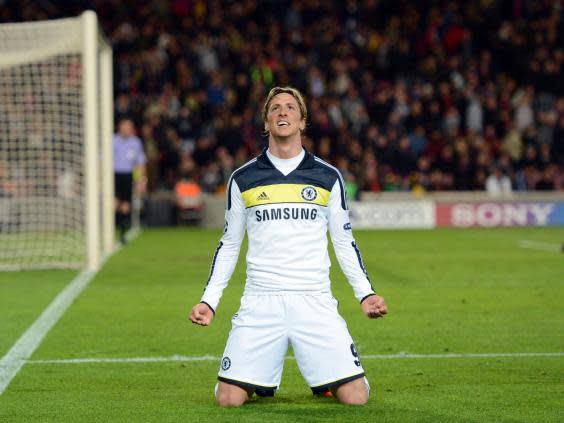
{"x": 23, "y": 296}
{"x": 449, "y": 291}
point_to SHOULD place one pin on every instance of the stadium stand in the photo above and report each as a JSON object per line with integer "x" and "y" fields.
{"x": 420, "y": 96}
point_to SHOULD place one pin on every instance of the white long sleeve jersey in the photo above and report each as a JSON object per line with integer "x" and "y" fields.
{"x": 286, "y": 218}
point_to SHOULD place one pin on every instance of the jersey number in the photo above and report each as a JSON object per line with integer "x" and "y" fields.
{"x": 354, "y": 352}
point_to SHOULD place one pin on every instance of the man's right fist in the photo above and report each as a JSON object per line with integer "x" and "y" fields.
{"x": 201, "y": 314}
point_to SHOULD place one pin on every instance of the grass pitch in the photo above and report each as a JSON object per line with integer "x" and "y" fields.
{"x": 450, "y": 293}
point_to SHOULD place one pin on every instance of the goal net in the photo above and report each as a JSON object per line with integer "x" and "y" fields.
{"x": 56, "y": 123}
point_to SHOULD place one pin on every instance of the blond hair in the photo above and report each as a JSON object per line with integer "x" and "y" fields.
{"x": 285, "y": 90}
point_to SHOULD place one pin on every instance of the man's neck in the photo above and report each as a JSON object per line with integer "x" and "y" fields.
{"x": 285, "y": 149}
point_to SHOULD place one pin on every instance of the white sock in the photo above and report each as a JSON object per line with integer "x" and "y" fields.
{"x": 367, "y": 386}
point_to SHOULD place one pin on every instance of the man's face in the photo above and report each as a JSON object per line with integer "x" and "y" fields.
{"x": 126, "y": 128}
{"x": 284, "y": 119}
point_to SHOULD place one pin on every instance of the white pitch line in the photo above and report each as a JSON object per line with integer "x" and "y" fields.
{"x": 464, "y": 355}
{"x": 541, "y": 246}
{"x": 24, "y": 347}
{"x": 173, "y": 358}
{"x": 185, "y": 358}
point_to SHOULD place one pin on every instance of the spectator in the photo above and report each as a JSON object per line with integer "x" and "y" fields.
{"x": 449, "y": 73}
{"x": 497, "y": 183}
{"x": 188, "y": 199}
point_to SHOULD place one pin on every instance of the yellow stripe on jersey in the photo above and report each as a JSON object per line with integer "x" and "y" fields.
{"x": 285, "y": 193}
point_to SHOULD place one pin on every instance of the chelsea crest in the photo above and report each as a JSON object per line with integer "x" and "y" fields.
{"x": 309, "y": 193}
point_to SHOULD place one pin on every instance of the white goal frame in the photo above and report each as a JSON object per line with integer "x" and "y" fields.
{"x": 83, "y": 37}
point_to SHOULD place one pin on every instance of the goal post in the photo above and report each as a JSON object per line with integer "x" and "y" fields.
{"x": 56, "y": 124}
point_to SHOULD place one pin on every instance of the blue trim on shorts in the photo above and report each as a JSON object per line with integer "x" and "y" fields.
{"x": 322, "y": 388}
{"x": 246, "y": 385}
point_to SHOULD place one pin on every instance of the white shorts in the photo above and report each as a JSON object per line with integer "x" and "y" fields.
{"x": 265, "y": 325}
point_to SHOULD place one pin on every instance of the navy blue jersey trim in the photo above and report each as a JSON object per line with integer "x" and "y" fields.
{"x": 213, "y": 263}
{"x": 211, "y": 308}
{"x": 263, "y": 161}
{"x": 229, "y": 193}
{"x": 366, "y": 296}
{"x": 307, "y": 162}
{"x": 233, "y": 175}
{"x": 322, "y": 388}
{"x": 262, "y": 172}
{"x": 344, "y": 204}
{"x": 245, "y": 385}
{"x": 360, "y": 262}
{"x": 254, "y": 176}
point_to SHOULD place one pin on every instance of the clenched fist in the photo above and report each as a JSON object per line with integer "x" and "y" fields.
{"x": 374, "y": 307}
{"x": 201, "y": 314}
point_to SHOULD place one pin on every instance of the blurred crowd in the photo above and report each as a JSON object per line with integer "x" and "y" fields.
{"x": 403, "y": 95}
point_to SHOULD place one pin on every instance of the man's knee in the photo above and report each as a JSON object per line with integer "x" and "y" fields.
{"x": 230, "y": 395}
{"x": 354, "y": 398}
{"x": 355, "y": 392}
{"x": 229, "y": 400}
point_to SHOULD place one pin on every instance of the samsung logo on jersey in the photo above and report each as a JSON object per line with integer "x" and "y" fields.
{"x": 286, "y": 213}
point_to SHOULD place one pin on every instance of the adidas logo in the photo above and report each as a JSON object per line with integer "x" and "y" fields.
{"x": 263, "y": 197}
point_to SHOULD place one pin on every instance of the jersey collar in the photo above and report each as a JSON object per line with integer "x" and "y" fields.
{"x": 307, "y": 162}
